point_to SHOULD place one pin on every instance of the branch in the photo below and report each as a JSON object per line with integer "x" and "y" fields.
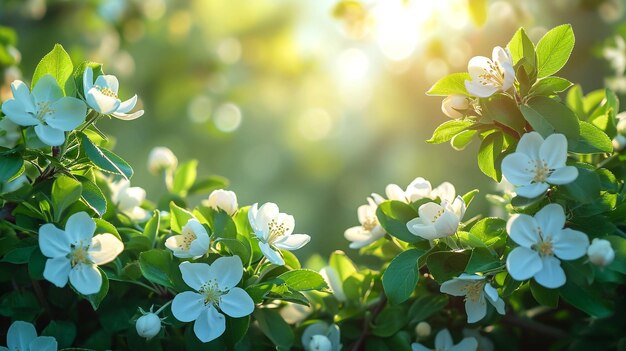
{"x": 533, "y": 326}
{"x": 366, "y": 323}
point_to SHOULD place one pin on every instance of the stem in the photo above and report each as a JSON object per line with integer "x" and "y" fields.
{"x": 91, "y": 118}
{"x": 163, "y": 307}
{"x": 607, "y": 160}
{"x": 42, "y": 299}
{"x": 534, "y": 326}
{"x": 360, "y": 343}
{"x": 258, "y": 266}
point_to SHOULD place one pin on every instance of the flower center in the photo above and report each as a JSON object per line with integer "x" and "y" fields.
{"x": 276, "y": 230}
{"x": 211, "y": 292}
{"x": 370, "y": 223}
{"x": 545, "y": 248}
{"x": 493, "y": 75}
{"x": 473, "y": 291}
{"x": 106, "y": 91}
{"x": 188, "y": 237}
{"x": 541, "y": 171}
{"x": 439, "y": 213}
{"x": 79, "y": 254}
{"x": 43, "y": 109}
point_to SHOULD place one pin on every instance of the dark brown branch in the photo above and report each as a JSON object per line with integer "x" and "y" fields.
{"x": 360, "y": 343}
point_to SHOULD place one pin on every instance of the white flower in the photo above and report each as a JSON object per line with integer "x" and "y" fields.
{"x": 75, "y": 253}
{"x": 536, "y": 163}
{"x": 222, "y": 200}
{"x": 369, "y": 231}
{"x": 334, "y": 282}
{"x": 619, "y": 142}
{"x": 102, "y": 96}
{"x": 321, "y": 337}
{"x": 477, "y": 292}
{"x": 418, "y": 189}
{"x": 543, "y": 241}
{"x": 128, "y": 199}
{"x": 273, "y": 230}
{"x": 438, "y": 220}
{"x": 9, "y": 133}
{"x": 161, "y": 158}
{"x": 423, "y": 329}
{"x": 193, "y": 242}
{"x": 22, "y": 336}
{"x": 616, "y": 55}
{"x": 490, "y": 76}
{"x": 443, "y": 342}
{"x": 600, "y": 252}
{"x": 215, "y": 286}
{"x": 46, "y": 108}
{"x": 484, "y": 343}
{"x": 452, "y": 104}
{"x": 621, "y": 123}
{"x": 148, "y": 325}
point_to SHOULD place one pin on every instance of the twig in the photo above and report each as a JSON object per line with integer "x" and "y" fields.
{"x": 533, "y": 326}
{"x": 360, "y": 343}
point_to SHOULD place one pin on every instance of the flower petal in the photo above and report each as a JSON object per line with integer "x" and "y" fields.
{"x": 80, "y": 227}
{"x": 195, "y": 275}
{"x": 479, "y": 90}
{"x": 419, "y": 347}
{"x": 22, "y": 94}
{"x": 236, "y": 303}
{"x": 20, "y": 334}
{"x": 551, "y": 219}
{"x": 444, "y": 191}
{"x": 394, "y": 192}
{"x": 366, "y": 213}
{"x": 47, "y": 89}
{"x": 360, "y": 237}
{"x": 516, "y": 169}
{"x": 174, "y": 243}
{"x": 104, "y": 248}
{"x": 53, "y": 242}
{"x": 57, "y": 271}
{"x": 522, "y": 229}
{"x": 17, "y": 111}
{"x": 429, "y": 212}
{"x": 476, "y": 310}
{"x": 87, "y": 80}
{"x": 491, "y": 292}
{"x": 564, "y": 175}
{"x": 108, "y": 81}
{"x": 252, "y": 213}
{"x": 49, "y": 135}
{"x": 187, "y": 306}
{"x": 44, "y": 343}
{"x": 227, "y": 272}
{"x": 69, "y": 113}
{"x": 209, "y": 325}
{"x": 532, "y": 191}
{"x": 570, "y": 244}
{"x": 272, "y": 255}
{"x": 523, "y": 263}
{"x": 530, "y": 145}
{"x": 467, "y": 344}
{"x": 127, "y": 105}
{"x": 101, "y": 103}
{"x": 424, "y": 230}
{"x": 128, "y": 116}
{"x": 86, "y": 278}
{"x": 553, "y": 151}
{"x": 446, "y": 224}
{"x": 292, "y": 241}
{"x": 551, "y": 274}
{"x": 443, "y": 340}
{"x": 455, "y": 287}
{"x": 418, "y": 189}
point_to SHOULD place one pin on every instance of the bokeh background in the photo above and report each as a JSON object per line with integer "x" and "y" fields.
{"x": 312, "y": 104}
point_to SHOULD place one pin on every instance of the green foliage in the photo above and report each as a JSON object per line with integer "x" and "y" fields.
{"x": 554, "y": 49}
{"x": 393, "y": 216}
{"x": 58, "y": 64}
{"x": 450, "y": 85}
{"x": 401, "y": 276}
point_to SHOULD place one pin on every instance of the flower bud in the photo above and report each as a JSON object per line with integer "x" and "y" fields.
{"x": 320, "y": 343}
{"x": 600, "y": 252}
{"x": 452, "y": 104}
{"x": 423, "y": 329}
{"x": 161, "y": 158}
{"x": 224, "y": 200}
{"x": 334, "y": 282}
{"x": 148, "y": 325}
{"x": 621, "y": 126}
{"x": 619, "y": 142}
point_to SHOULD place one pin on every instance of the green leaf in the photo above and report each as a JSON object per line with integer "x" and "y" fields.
{"x": 548, "y": 116}
{"x": 275, "y": 328}
{"x": 178, "y": 217}
{"x": 447, "y": 130}
{"x": 477, "y": 10}
{"x": 64, "y": 332}
{"x": 401, "y": 276}
{"x": 208, "y": 184}
{"x": 489, "y": 230}
{"x": 543, "y": 295}
{"x": 389, "y": 321}
{"x": 504, "y": 110}
{"x": 481, "y": 260}
{"x": 151, "y": 230}
{"x": 490, "y": 150}
{"x": 574, "y": 101}
{"x": 586, "y": 298}
{"x": 58, "y": 64}
{"x": 303, "y": 280}
{"x": 342, "y": 264}
{"x": 425, "y": 305}
{"x": 19, "y": 255}
{"x": 619, "y": 246}
{"x": 554, "y": 49}
{"x": 65, "y": 192}
{"x": 585, "y": 188}
{"x": 469, "y": 196}
{"x": 592, "y": 140}
{"x": 452, "y": 84}
{"x": 461, "y": 140}
{"x": 445, "y": 265}
{"x": 104, "y": 159}
{"x": 550, "y": 86}
{"x": 10, "y": 165}
{"x": 184, "y": 177}
{"x": 93, "y": 196}
{"x": 223, "y": 225}
{"x": 520, "y": 47}
{"x": 157, "y": 266}
{"x": 80, "y": 70}
{"x": 393, "y": 217}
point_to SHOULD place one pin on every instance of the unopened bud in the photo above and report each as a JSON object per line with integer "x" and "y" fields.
{"x": 148, "y": 325}
{"x": 224, "y": 200}
{"x": 600, "y": 252}
{"x": 452, "y": 104}
{"x": 423, "y": 329}
{"x": 161, "y": 158}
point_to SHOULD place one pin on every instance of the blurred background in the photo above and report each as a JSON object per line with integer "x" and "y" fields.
{"x": 310, "y": 104}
